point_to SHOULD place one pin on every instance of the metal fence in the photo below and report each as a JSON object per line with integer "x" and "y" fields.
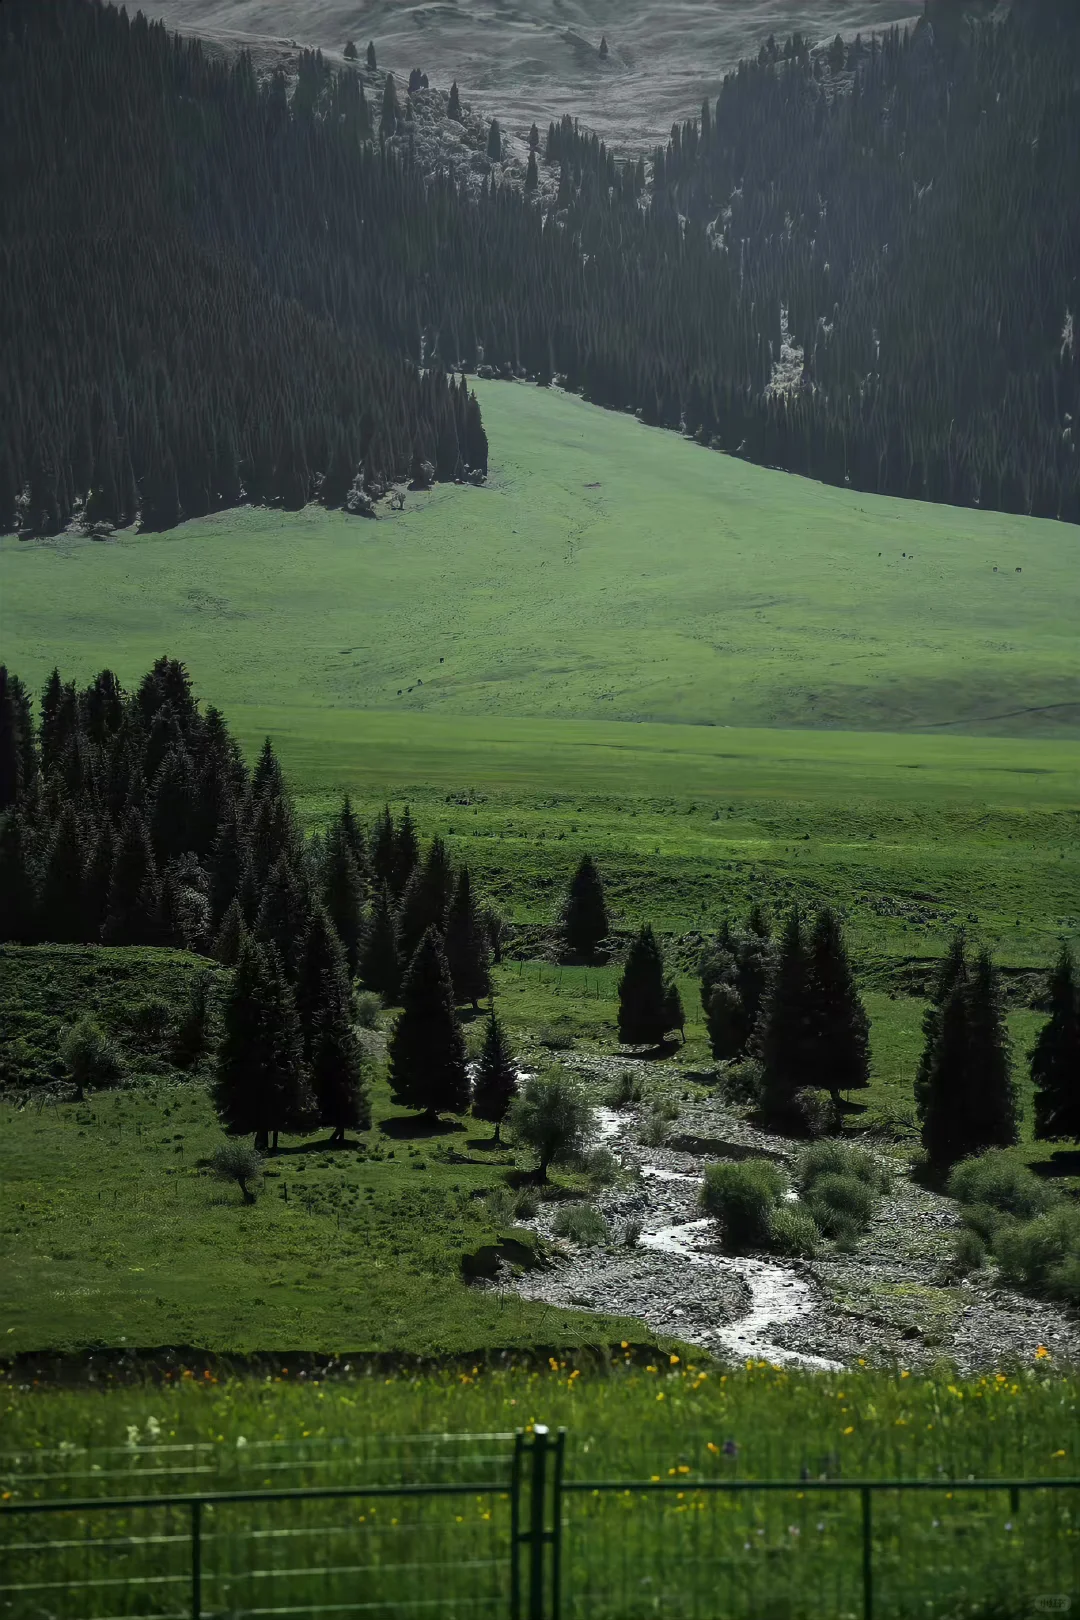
{"x": 524, "y": 1540}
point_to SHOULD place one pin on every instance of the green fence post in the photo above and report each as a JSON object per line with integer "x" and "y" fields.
{"x": 515, "y": 1527}
{"x": 196, "y": 1560}
{"x": 537, "y": 1522}
{"x": 867, "y": 1553}
{"x": 557, "y": 1526}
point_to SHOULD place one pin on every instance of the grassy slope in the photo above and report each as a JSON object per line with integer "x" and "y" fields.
{"x": 685, "y": 587}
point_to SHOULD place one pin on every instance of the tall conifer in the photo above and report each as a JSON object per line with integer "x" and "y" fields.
{"x": 427, "y": 1048}
{"x": 839, "y": 1027}
{"x": 380, "y": 952}
{"x": 466, "y": 944}
{"x": 785, "y": 1038}
{"x": 496, "y": 1082}
{"x": 1055, "y": 1057}
{"x": 261, "y": 1088}
{"x": 643, "y": 1006}
{"x": 585, "y": 915}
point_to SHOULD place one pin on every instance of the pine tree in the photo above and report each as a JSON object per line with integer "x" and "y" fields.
{"x": 284, "y": 915}
{"x": 496, "y": 1082}
{"x": 371, "y": 56}
{"x": 427, "y": 898}
{"x": 230, "y": 937}
{"x": 427, "y": 1048}
{"x": 585, "y": 916}
{"x": 643, "y": 993}
{"x": 494, "y": 141}
{"x": 380, "y": 953}
{"x": 131, "y": 916}
{"x": 338, "y": 1078}
{"x": 1055, "y": 1057}
{"x": 406, "y": 855}
{"x": 18, "y": 899}
{"x": 673, "y": 1009}
{"x": 343, "y": 897}
{"x": 839, "y": 1028}
{"x": 60, "y": 916}
{"x": 532, "y": 174}
{"x": 388, "y": 120}
{"x": 453, "y": 104}
{"x": 260, "y": 1086}
{"x": 967, "y": 1101}
{"x": 466, "y": 945}
{"x": 785, "y": 1029}
{"x": 951, "y": 970}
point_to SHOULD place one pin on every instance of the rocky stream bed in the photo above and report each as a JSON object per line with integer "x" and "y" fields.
{"x": 890, "y": 1300}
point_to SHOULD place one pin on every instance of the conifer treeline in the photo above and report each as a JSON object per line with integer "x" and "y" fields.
{"x": 234, "y": 263}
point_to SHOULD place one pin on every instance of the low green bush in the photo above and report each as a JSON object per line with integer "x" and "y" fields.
{"x": 813, "y": 1113}
{"x": 366, "y": 1009}
{"x": 840, "y": 1204}
{"x": 601, "y": 1166}
{"x": 839, "y": 1159}
{"x": 739, "y": 1083}
{"x": 996, "y": 1179}
{"x": 627, "y": 1092}
{"x": 1043, "y": 1255}
{"x": 583, "y": 1224}
{"x": 89, "y": 1056}
{"x": 149, "y": 1022}
{"x": 986, "y": 1222}
{"x": 742, "y": 1198}
{"x": 969, "y": 1252}
{"x": 794, "y": 1232}
{"x": 655, "y": 1129}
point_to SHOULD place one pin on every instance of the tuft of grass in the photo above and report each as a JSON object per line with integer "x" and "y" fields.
{"x": 999, "y": 1181}
{"x": 582, "y": 1224}
{"x": 742, "y": 1198}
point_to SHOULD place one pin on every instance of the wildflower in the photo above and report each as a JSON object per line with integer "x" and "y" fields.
{"x": 674, "y": 1361}
{"x": 1042, "y": 1353}
{"x": 850, "y": 1429}
{"x": 240, "y": 1442}
{"x": 153, "y": 1428}
{"x": 1059, "y": 1453}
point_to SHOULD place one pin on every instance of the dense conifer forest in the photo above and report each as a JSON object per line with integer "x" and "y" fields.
{"x": 857, "y": 265}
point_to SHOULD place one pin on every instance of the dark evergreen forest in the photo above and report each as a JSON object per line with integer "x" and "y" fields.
{"x": 862, "y": 265}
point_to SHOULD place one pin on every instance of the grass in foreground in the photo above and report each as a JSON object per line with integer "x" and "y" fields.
{"x": 627, "y": 1553}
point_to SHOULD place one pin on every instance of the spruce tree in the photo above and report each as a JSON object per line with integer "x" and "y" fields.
{"x": 132, "y": 908}
{"x": 643, "y": 993}
{"x": 380, "y": 953}
{"x": 371, "y": 63}
{"x": 96, "y": 879}
{"x": 18, "y": 898}
{"x": 388, "y": 119}
{"x": 11, "y": 758}
{"x": 338, "y": 1077}
{"x": 585, "y": 916}
{"x": 995, "y": 1104}
{"x": 724, "y": 1021}
{"x": 496, "y": 1081}
{"x": 785, "y": 1028}
{"x": 967, "y": 1101}
{"x": 466, "y": 945}
{"x": 230, "y": 937}
{"x": 427, "y": 896}
{"x": 951, "y": 970}
{"x": 1055, "y": 1057}
{"x": 427, "y": 1048}
{"x": 343, "y": 897}
{"x": 406, "y": 857}
{"x": 61, "y": 920}
{"x": 384, "y": 850}
{"x": 260, "y": 1087}
{"x": 453, "y": 104}
{"x": 839, "y": 1027}
{"x": 494, "y": 141}
{"x": 284, "y": 914}
{"x": 347, "y": 830}
{"x": 322, "y": 979}
{"x": 673, "y": 1009}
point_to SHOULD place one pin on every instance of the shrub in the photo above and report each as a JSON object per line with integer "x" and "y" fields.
{"x": 499, "y": 1205}
{"x": 583, "y": 1224}
{"x": 840, "y": 1204}
{"x": 556, "y": 1037}
{"x": 740, "y": 1083}
{"x": 191, "y": 1037}
{"x": 366, "y": 1009}
{"x": 742, "y": 1198}
{"x": 627, "y": 1091}
{"x": 526, "y": 1203}
{"x": 630, "y": 1232}
{"x": 986, "y": 1222}
{"x": 89, "y": 1056}
{"x": 1043, "y": 1255}
{"x": 150, "y": 1019}
{"x": 969, "y": 1252}
{"x": 794, "y": 1232}
{"x": 997, "y": 1180}
{"x": 655, "y": 1130}
{"x": 552, "y": 1116}
{"x": 813, "y": 1113}
{"x": 239, "y": 1162}
{"x": 839, "y": 1159}
{"x": 601, "y": 1166}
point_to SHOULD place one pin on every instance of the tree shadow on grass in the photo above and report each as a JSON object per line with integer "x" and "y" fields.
{"x": 412, "y": 1127}
{"x": 650, "y": 1054}
{"x": 487, "y": 1144}
{"x": 1062, "y": 1162}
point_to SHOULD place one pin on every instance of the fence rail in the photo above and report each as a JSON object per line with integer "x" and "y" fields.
{"x": 541, "y": 1546}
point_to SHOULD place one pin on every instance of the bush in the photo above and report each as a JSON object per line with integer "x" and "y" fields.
{"x": 839, "y": 1159}
{"x": 814, "y": 1113}
{"x": 997, "y": 1180}
{"x": 239, "y": 1162}
{"x": 150, "y": 1019}
{"x": 794, "y": 1232}
{"x": 1043, "y": 1255}
{"x": 89, "y": 1056}
{"x": 986, "y": 1222}
{"x": 742, "y": 1198}
{"x": 740, "y": 1083}
{"x": 499, "y": 1205}
{"x": 551, "y": 1115}
{"x": 841, "y": 1204}
{"x": 655, "y": 1129}
{"x": 627, "y": 1091}
{"x": 556, "y": 1037}
{"x": 366, "y": 1009}
{"x": 526, "y": 1203}
{"x": 583, "y": 1224}
{"x": 601, "y": 1166}
{"x": 191, "y": 1037}
{"x": 630, "y": 1232}
{"x": 969, "y": 1252}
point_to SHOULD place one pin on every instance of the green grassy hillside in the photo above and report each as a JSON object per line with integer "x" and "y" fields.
{"x": 608, "y": 571}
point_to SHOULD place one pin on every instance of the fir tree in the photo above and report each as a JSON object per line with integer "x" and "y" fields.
{"x": 337, "y": 1076}
{"x": 496, "y": 1082}
{"x": 453, "y": 104}
{"x": 60, "y": 918}
{"x": 388, "y": 120}
{"x": 18, "y": 899}
{"x": 406, "y": 856}
{"x": 494, "y": 141}
{"x": 585, "y": 916}
{"x": 643, "y": 1004}
{"x": 427, "y": 1048}
{"x": 231, "y": 935}
{"x": 427, "y": 896}
{"x": 343, "y": 897}
{"x": 380, "y": 952}
{"x": 466, "y": 945}
{"x": 785, "y": 1031}
{"x": 371, "y": 63}
{"x": 260, "y": 1086}
{"x": 131, "y": 916}
{"x": 1055, "y": 1057}
{"x": 284, "y": 914}
{"x": 967, "y": 1102}
{"x": 839, "y": 1027}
